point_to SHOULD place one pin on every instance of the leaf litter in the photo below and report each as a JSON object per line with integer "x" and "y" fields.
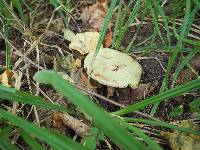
{"x": 94, "y": 16}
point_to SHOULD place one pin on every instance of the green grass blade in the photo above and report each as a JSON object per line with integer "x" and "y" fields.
{"x": 5, "y": 144}
{"x": 184, "y": 30}
{"x": 155, "y": 106}
{"x": 18, "y": 6}
{"x": 192, "y": 42}
{"x": 105, "y": 25}
{"x": 90, "y": 141}
{"x": 187, "y": 87}
{"x": 123, "y": 18}
{"x": 195, "y": 105}
{"x": 181, "y": 37}
{"x": 5, "y": 132}
{"x": 4, "y": 11}
{"x": 164, "y": 17}
{"x": 155, "y": 20}
{"x": 27, "y": 5}
{"x": 138, "y": 30}
{"x": 157, "y": 48}
{"x": 22, "y": 97}
{"x": 5, "y": 31}
{"x": 191, "y": 19}
{"x": 197, "y": 3}
{"x": 122, "y": 22}
{"x": 142, "y": 135}
{"x": 64, "y": 11}
{"x": 101, "y": 119}
{"x": 130, "y": 20}
{"x": 31, "y": 141}
{"x": 7, "y": 12}
{"x": 103, "y": 32}
{"x": 58, "y": 3}
{"x": 56, "y": 141}
{"x": 161, "y": 124}
{"x": 183, "y": 63}
{"x": 117, "y": 22}
{"x": 61, "y": 13}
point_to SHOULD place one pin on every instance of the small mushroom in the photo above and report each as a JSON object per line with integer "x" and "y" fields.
{"x": 84, "y": 42}
{"x": 114, "y": 68}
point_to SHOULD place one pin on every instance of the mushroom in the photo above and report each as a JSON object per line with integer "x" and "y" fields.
{"x": 114, "y": 68}
{"x": 84, "y": 42}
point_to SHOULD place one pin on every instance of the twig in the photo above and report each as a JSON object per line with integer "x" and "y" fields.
{"x": 112, "y": 102}
{"x": 99, "y": 96}
{"x": 79, "y": 127}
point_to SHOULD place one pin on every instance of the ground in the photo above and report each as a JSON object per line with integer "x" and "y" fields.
{"x": 51, "y": 47}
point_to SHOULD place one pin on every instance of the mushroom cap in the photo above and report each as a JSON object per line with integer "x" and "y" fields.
{"x": 114, "y": 68}
{"x": 84, "y": 42}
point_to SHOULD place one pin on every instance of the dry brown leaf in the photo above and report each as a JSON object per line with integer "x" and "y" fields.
{"x": 143, "y": 91}
{"x": 57, "y": 25}
{"x": 195, "y": 62}
{"x": 181, "y": 140}
{"x": 103, "y": 4}
{"x": 57, "y": 120}
{"x": 94, "y": 15}
{"x": 108, "y": 39}
{"x": 185, "y": 75}
{"x": 84, "y": 80}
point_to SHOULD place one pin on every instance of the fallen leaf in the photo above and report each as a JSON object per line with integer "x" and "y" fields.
{"x": 84, "y": 77}
{"x": 103, "y": 4}
{"x": 108, "y": 39}
{"x": 56, "y": 25}
{"x": 57, "y": 120}
{"x": 143, "y": 91}
{"x": 181, "y": 140}
{"x": 94, "y": 15}
{"x": 84, "y": 80}
{"x": 97, "y": 19}
{"x": 185, "y": 75}
{"x": 195, "y": 62}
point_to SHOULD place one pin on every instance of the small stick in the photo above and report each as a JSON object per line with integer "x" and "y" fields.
{"x": 79, "y": 127}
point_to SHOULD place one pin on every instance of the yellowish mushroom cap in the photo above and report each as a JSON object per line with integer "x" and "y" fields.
{"x": 114, "y": 68}
{"x": 84, "y": 42}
